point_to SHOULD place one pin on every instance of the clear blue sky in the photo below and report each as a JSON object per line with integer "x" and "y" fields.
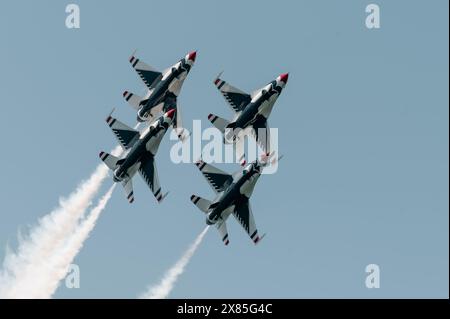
{"x": 363, "y": 125}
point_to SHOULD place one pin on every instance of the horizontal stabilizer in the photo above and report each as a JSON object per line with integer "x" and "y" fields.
{"x": 110, "y": 160}
{"x": 201, "y": 203}
{"x": 132, "y": 99}
{"x": 220, "y": 123}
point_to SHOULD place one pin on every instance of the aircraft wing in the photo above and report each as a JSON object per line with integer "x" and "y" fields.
{"x": 148, "y": 74}
{"x": 149, "y": 174}
{"x": 237, "y": 99}
{"x": 243, "y": 214}
{"x": 124, "y": 134}
{"x": 218, "y": 179}
{"x": 261, "y": 133}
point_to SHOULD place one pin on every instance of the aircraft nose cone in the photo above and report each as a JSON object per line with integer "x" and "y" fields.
{"x": 284, "y": 77}
{"x": 170, "y": 114}
{"x": 192, "y": 55}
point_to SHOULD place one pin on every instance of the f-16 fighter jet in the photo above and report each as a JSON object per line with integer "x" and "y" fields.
{"x": 142, "y": 148}
{"x": 251, "y": 111}
{"x": 233, "y": 193}
{"x": 163, "y": 89}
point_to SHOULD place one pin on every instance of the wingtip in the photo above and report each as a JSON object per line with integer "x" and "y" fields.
{"x": 258, "y": 239}
{"x": 161, "y": 198}
{"x": 108, "y": 119}
{"x": 130, "y": 197}
{"x": 199, "y": 162}
{"x": 217, "y": 79}
{"x": 132, "y": 56}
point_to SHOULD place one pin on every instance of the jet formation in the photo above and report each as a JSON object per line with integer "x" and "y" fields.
{"x": 158, "y": 109}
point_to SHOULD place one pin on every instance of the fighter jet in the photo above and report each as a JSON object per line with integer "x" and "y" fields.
{"x": 142, "y": 148}
{"x": 232, "y": 197}
{"x": 251, "y": 111}
{"x": 163, "y": 89}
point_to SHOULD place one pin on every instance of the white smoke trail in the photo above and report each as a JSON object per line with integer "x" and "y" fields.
{"x": 24, "y": 271}
{"x": 61, "y": 261}
{"x": 163, "y": 289}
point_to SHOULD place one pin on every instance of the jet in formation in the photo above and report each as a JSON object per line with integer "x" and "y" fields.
{"x": 233, "y": 191}
{"x": 163, "y": 89}
{"x": 142, "y": 148}
{"x": 232, "y": 197}
{"x": 251, "y": 111}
